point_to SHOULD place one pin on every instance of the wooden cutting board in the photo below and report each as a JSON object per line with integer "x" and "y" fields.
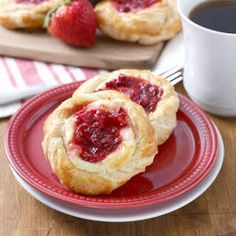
{"x": 107, "y": 53}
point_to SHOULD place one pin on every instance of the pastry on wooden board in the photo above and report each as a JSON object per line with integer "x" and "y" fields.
{"x": 96, "y": 142}
{"x": 143, "y": 21}
{"x": 23, "y": 14}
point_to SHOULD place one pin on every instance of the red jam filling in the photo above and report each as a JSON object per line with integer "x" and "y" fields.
{"x": 35, "y": 2}
{"x": 133, "y": 5}
{"x": 139, "y": 90}
{"x": 97, "y": 132}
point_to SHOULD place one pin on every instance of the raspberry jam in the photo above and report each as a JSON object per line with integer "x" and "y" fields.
{"x": 97, "y": 132}
{"x": 133, "y": 5}
{"x": 139, "y": 90}
{"x": 35, "y": 2}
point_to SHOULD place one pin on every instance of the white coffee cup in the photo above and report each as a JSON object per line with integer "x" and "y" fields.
{"x": 210, "y": 64}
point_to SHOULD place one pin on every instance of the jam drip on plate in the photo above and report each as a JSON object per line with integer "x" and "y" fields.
{"x": 133, "y": 5}
{"x": 97, "y": 132}
{"x": 139, "y": 90}
{"x": 34, "y": 2}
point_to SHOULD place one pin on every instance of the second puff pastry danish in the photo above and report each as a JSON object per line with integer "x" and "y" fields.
{"x": 23, "y": 14}
{"x": 142, "y": 21}
{"x": 154, "y": 93}
{"x": 96, "y": 142}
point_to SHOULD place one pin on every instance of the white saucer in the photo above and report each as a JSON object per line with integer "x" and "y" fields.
{"x": 127, "y": 215}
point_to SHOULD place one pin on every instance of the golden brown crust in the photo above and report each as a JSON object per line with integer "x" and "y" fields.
{"x": 163, "y": 119}
{"x": 159, "y": 22}
{"x": 137, "y": 150}
{"x": 21, "y": 16}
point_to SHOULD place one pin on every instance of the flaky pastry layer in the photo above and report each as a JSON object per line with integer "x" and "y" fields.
{"x": 163, "y": 119}
{"x": 137, "y": 150}
{"x": 158, "y": 22}
{"x": 21, "y": 16}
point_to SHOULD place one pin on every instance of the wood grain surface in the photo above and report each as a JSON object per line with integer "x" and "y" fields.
{"x": 107, "y": 53}
{"x": 213, "y": 213}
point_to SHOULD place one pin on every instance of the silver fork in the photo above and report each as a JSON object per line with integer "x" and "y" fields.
{"x": 174, "y": 75}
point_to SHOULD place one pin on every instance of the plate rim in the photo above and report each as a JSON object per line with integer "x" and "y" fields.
{"x": 94, "y": 202}
{"x": 188, "y": 197}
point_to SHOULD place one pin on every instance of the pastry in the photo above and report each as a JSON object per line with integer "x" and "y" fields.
{"x": 21, "y": 14}
{"x": 142, "y": 21}
{"x": 96, "y": 142}
{"x": 154, "y": 93}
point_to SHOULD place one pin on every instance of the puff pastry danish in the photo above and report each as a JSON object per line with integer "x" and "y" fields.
{"x": 20, "y": 14}
{"x": 154, "y": 93}
{"x": 142, "y": 21}
{"x": 96, "y": 142}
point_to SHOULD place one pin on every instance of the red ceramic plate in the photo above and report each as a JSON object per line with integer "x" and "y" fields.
{"x": 182, "y": 162}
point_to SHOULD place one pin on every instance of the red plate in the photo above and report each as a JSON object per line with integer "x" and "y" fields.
{"x": 183, "y": 161}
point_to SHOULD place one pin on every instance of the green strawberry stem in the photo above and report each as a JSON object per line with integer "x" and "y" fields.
{"x": 51, "y": 13}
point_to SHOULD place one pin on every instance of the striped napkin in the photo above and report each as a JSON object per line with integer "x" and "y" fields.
{"x": 19, "y": 73}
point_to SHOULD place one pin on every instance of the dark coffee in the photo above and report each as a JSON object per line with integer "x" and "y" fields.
{"x": 219, "y": 15}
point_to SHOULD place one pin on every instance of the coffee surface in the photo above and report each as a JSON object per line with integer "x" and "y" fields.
{"x": 217, "y": 15}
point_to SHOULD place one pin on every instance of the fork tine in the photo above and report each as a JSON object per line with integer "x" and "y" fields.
{"x": 166, "y": 71}
{"x": 176, "y": 80}
{"x": 170, "y": 71}
{"x": 174, "y": 76}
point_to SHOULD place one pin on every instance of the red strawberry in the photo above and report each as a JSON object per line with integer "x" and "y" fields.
{"x": 73, "y": 23}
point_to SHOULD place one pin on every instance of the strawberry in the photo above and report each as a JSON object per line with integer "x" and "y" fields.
{"x": 74, "y": 22}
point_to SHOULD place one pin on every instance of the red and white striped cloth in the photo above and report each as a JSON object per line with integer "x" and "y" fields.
{"x": 20, "y": 73}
